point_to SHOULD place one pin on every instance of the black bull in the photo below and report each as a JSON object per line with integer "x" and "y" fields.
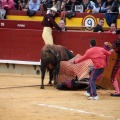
{"x": 51, "y": 55}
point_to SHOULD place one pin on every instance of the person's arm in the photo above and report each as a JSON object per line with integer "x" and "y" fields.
{"x": 112, "y": 50}
{"x": 108, "y": 53}
{"x": 107, "y": 44}
{"x": 80, "y": 59}
{"x": 55, "y": 24}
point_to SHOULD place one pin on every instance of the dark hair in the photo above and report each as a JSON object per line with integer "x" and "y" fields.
{"x": 93, "y": 42}
{"x": 101, "y": 19}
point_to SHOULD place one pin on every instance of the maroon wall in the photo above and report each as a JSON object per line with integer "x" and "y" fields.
{"x": 16, "y": 44}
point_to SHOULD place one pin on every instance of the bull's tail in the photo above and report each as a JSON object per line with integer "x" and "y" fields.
{"x": 57, "y": 68}
{"x": 55, "y": 54}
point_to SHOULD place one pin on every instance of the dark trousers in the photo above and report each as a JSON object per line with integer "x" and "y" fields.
{"x": 115, "y": 68}
{"x": 93, "y": 77}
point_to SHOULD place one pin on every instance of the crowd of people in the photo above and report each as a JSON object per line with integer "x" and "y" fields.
{"x": 95, "y": 6}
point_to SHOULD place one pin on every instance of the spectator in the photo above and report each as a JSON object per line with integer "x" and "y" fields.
{"x": 23, "y": 5}
{"x": 34, "y": 5}
{"x": 48, "y": 23}
{"x": 69, "y": 9}
{"x": 116, "y": 67}
{"x": 87, "y": 5}
{"x": 98, "y": 57}
{"x": 8, "y": 4}
{"x": 97, "y": 7}
{"x": 99, "y": 26}
{"x": 115, "y": 6}
{"x": 112, "y": 13}
{"x": 113, "y": 28}
{"x": 63, "y": 5}
{"x": 62, "y": 25}
{"x": 57, "y": 4}
{"x": 107, "y": 5}
{"x": 16, "y": 4}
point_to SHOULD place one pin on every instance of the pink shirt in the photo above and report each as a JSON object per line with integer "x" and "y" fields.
{"x": 10, "y": 3}
{"x": 97, "y": 55}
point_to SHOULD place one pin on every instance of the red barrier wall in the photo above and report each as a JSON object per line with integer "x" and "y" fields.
{"x": 16, "y": 44}
{"x": 25, "y": 45}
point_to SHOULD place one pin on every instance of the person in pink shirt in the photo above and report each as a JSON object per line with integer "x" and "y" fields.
{"x": 8, "y": 4}
{"x": 113, "y": 28}
{"x": 98, "y": 57}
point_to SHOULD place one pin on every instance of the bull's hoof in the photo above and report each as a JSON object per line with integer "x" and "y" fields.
{"x": 42, "y": 87}
{"x": 50, "y": 84}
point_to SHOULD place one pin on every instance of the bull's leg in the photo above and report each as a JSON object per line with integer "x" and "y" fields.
{"x": 42, "y": 77}
{"x": 55, "y": 74}
{"x": 50, "y": 76}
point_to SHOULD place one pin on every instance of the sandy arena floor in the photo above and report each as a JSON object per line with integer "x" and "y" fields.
{"x": 22, "y": 99}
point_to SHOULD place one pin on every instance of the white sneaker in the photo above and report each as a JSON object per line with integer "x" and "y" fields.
{"x": 87, "y": 94}
{"x": 93, "y": 98}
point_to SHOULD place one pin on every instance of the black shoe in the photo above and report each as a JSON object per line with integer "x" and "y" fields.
{"x": 115, "y": 94}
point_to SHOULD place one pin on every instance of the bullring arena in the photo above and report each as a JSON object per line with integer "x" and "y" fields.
{"x": 22, "y": 99}
{"x": 20, "y": 95}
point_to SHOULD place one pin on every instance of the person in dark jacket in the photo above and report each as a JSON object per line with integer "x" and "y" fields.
{"x": 48, "y": 24}
{"x": 98, "y": 28}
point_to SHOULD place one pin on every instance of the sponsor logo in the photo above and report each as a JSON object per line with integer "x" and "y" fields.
{"x": 2, "y": 24}
{"x": 89, "y": 22}
{"x": 20, "y": 25}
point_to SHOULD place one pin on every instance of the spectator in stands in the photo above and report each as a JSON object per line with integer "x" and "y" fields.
{"x": 87, "y": 5}
{"x": 57, "y": 4}
{"x": 62, "y": 25}
{"x": 112, "y": 12}
{"x": 43, "y": 6}
{"x": 69, "y": 9}
{"x": 16, "y": 4}
{"x": 98, "y": 57}
{"x": 48, "y": 24}
{"x": 63, "y": 5}
{"x": 99, "y": 26}
{"x": 97, "y": 7}
{"x": 34, "y": 5}
{"x": 8, "y": 4}
{"x": 23, "y": 5}
{"x": 113, "y": 28}
{"x": 107, "y": 5}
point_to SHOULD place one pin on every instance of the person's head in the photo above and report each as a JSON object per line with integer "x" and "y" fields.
{"x": 85, "y": 2}
{"x": 53, "y": 11}
{"x": 92, "y": 42}
{"x": 101, "y": 22}
{"x": 73, "y": 1}
{"x": 113, "y": 27}
{"x": 99, "y": 1}
{"x": 34, "y": 1}
{"x": 61, "y": 23}
{"x": 118, "y": 32}
{"x": 109, "y": 1}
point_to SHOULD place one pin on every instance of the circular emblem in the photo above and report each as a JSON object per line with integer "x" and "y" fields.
{"x": 89, "y": 22}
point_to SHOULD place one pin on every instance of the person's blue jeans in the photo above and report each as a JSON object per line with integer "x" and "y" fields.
{"x": 93, "y": 77}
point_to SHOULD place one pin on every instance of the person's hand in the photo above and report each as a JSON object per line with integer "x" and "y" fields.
{"x": 99, "y": 32}
{"x": 5, "y": 6}
{"x": 113, "y": 32}
{"x": 106, "y": 43}
{"x": 58, "y": 31}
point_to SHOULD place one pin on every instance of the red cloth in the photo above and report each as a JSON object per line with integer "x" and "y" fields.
{"x": 69, "y": 70}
